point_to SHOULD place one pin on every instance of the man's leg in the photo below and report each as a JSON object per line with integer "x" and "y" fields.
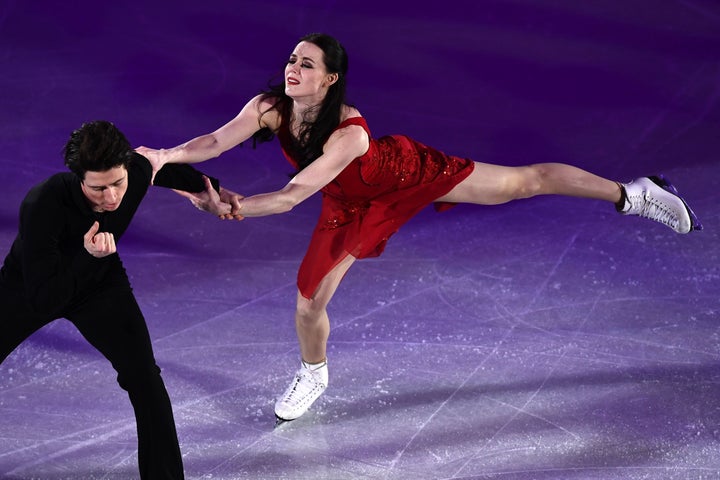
{"x": 17, "y": 321}
{"x": 113, "y": 323}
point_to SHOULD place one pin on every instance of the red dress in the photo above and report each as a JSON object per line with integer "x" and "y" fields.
{"x": 372, "y": 197}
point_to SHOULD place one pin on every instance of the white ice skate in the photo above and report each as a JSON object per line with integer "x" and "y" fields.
{"x": 657, "y": 199}
{"x": 307, "y": 386}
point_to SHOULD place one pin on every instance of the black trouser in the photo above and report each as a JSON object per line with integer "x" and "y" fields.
{"x": 112, "y": 322}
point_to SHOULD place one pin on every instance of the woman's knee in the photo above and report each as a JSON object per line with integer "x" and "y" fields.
{"x": 308, "y": 312}
{"x": 531, "y": 180}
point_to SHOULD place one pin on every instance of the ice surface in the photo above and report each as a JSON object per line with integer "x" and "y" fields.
{"x": 545, "y": 339}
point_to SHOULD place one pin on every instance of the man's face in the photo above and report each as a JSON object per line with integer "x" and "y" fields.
{"x": 105, "y": 190}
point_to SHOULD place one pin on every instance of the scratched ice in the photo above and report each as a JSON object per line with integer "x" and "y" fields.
{"x": 544, "y": 339}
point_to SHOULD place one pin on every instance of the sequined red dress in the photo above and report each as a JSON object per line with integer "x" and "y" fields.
{"x": 372, "y": 197}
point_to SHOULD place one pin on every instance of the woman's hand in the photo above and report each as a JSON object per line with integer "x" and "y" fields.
{"x": 212, "y": 202}
{"x": 233, "y": 199}
{"x": 155, "y": 157}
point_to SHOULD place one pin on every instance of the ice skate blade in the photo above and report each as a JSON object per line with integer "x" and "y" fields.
{"x": 662, "y": 182}
{"x": 280, "y": 421}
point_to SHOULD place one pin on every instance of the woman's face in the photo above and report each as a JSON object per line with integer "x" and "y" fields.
{"x": 305, "y": 74}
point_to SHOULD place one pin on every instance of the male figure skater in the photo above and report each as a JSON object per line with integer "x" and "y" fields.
{"x": 64, "y": 263}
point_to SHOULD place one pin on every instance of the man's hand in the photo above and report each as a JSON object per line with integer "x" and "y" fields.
{"x": 100, "y": 244}
{"x": 210, "y": 201}
{"x": 233, "y": 199}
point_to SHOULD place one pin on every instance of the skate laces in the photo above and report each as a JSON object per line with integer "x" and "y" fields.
{"x": 305, "y": 387}
{"x": 657, "y": 199}
{"x": 654, "y": 209}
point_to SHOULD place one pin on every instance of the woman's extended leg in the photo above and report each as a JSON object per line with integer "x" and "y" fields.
{"x": 313, "y": 329}
{"x": 493, "y": 184}
{"x": 649, "y": 197}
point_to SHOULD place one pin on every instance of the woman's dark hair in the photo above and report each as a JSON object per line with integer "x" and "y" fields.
{"x": 96, "y": 147}
{"x": 313, "y": 134}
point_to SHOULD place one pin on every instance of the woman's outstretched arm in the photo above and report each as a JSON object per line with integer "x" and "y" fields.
{"x": 342, "y": 147}
{"x": 211, "y": 145}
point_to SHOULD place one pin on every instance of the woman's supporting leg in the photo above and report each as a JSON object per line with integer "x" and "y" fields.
{"x": 311, "y": 319}
{"x": 313, "y": 329}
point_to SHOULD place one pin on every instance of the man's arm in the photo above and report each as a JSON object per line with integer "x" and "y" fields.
{"x": 184, "y": 177}
{"x": 204, "y": 192}
{"x": 176, "y": 176}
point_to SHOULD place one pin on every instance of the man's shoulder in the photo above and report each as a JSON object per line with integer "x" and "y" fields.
{"x": 56, "y": 184}
{"x": 45, "y": 198}
{"x": 140, "y": 165}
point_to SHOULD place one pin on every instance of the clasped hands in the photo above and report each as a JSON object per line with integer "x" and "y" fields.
{"x": 225, "y": 204}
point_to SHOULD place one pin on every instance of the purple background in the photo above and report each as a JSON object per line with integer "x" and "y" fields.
{"x": 545, "y": 339}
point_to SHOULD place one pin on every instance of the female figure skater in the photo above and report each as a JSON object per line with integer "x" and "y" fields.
{"x": 370, "y": 187}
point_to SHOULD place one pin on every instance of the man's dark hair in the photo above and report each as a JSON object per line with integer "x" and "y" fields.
{"x": 96, "y": 147}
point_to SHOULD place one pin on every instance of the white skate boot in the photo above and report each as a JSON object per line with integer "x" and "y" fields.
{"x": 657, "y": 199}
{"x": 309, "y": 383}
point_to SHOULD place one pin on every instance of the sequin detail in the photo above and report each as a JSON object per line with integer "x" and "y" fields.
{"x": 346, "y": 213}
{"x": 373, "y": 197}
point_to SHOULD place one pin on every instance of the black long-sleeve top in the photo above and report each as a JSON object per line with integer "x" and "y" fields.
{"x": 48, "y": 263}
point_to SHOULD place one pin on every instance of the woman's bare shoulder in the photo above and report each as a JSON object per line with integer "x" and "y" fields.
{"x": 268, "y": 115}
{"x": 349, "y": 112}
{"x": 351, "y": 138}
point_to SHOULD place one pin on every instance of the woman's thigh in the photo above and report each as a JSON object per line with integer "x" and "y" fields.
{"x": 327, "y": 287}
{"x": 490, "y": 184}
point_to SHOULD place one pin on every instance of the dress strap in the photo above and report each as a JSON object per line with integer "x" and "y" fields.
{"x": 354, "y": 121}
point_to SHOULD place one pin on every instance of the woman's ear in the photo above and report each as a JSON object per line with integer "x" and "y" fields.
{"x": 331, "y": 78}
